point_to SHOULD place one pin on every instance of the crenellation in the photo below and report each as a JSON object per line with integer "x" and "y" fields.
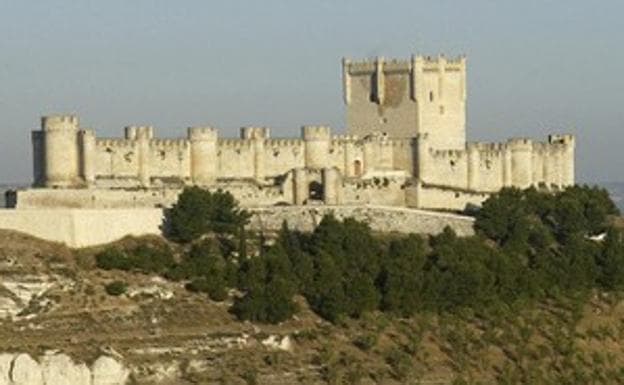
{"x": 405, "y": 145}
{"x": 59, "y": 123}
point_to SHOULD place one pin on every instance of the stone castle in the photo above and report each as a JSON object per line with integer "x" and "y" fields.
{"x": 405, "y": 146}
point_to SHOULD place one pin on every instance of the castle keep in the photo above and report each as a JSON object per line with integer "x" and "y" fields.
{"x": 405, "y": 146}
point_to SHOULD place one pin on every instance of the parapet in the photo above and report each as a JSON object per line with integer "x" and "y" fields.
{"x": 316, "y": 132}
{"x": 562, "y": 139}
{"x": 139, "y": 132}
{"x": 427, "y": 63}
{"x": 520, "y": 144}
{"x": 255, "y": 132}
{"x": 203, "y": 133}
{"x": 59, "y": 123}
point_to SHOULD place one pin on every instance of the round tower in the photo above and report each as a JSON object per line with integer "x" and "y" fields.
{"x": 521, "y": 162}
{"x": 203, "y": 154}
{"x": 60, "y": 146}
{"x": 317, "y": 140}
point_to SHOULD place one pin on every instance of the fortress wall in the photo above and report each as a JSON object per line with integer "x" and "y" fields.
{"x": 236, "y": 158}
{"x": 169, "y": 158}
{"x": 447, "y": 168}
{"x": 248, "y": 194}
{"x": 336, "y": 156}
{"x": 385, "y": 219}
{"x": 89, "y": 227}
{"x": 490, "y": 167}
{"x": 375, "y": 191}
{"x": 95, "y": 198}
{"x": 116, "y": 157}
{"x": 82, "y": 227}
{"x": 282, "y": 155}
{"x": 440, "y": 198}
{"x": 403, "y": 158}
{"x": 349, "y": 157}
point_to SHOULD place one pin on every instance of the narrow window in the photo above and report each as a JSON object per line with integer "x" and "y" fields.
{"x": 357, "y": 168}
{"x": 431, "y": 96}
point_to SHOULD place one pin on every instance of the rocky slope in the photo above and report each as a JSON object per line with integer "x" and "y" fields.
{"x": 58, "y": 326}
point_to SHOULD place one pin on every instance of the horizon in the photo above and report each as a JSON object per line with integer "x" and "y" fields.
{"x": 533, "y": 68}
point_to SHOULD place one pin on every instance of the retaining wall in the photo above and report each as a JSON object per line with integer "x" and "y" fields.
{"x": 89, "y": 227}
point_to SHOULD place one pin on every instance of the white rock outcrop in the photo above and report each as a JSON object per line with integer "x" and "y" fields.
{"x": 60, "y": 369}
{"x": 26, "y": 371}
{"x": 108, "y": 371}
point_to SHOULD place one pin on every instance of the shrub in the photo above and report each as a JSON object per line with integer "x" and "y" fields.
{"x": 113, "y": 258}
{"x": 215, "y": 288}
{"x": 116, "y": 288}
{"x": 144, "y": 258}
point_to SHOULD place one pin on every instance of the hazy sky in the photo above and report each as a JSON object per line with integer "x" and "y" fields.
{"x": 534, "y": 67}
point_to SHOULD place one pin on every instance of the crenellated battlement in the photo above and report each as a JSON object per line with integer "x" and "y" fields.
{"x": 114, "y": 143}
{"x": 255, "y": 132}
{"x": 234, "y": 143}
{"x": 202, "y": 134}
{"x": 406, "y": 119}
{"x": 284, "y": 142}
{"x": 416, "y": 62}
{"x": 562, "y": 139}
{"x": 169, "y": 143}
{"x": 520, "y": 144}
{"x": 59, "y": 123}
{"x": 316, "y": 132}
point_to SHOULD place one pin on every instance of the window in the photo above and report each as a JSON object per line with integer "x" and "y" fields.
{"x": 357, "y": 168}
{"x": 431, "y": 96}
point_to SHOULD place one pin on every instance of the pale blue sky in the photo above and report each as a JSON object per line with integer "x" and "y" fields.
{"x": 533, "y": 66}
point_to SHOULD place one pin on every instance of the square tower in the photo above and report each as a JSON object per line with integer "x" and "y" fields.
{"x": 405, "y": 98}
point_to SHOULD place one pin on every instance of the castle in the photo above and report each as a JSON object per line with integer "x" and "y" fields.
{"x": 405, "y": 146}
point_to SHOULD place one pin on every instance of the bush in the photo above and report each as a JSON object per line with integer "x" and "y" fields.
{"x": 198, "y": 212}
{"x": 215, "y": 288}
{"x": 116, "y": 288}
{"x": 112, "y": 259}
{"x": 144, "y": 258}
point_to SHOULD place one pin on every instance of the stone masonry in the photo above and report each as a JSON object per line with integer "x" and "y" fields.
{"x": 405, "y": 146}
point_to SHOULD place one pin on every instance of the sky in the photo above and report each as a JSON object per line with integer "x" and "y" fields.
{"x": 534, "y": 67}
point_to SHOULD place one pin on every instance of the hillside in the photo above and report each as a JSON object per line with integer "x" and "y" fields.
{"x": 534, "y": 297}
{"x": 166, "y": 334}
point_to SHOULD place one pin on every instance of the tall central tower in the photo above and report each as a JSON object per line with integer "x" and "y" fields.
{"x": 405, "y": 98}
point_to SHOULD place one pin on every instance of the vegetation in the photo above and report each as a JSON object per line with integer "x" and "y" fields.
{"x": 199, "y": 211}
{"x": 515, "y": 303}
{"x": 530, "y": 245}
{"x": 116, "y": 288}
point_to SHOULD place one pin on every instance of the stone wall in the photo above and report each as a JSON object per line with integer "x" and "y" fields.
{"x": 382, "y": 219}
{"x": 488, "y": 167}
{"x": 88, "y": 227}
{"x": 403, "y": 116}
{"x": 408, "y": 97}
{"x": 82, "y": 227}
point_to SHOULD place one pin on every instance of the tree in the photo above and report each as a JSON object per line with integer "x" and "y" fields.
{"x": 199, "y": 211}
{"x": 268, "y": 287}
{"x": 401, "y": 276}
{"x": 611, "y": 261}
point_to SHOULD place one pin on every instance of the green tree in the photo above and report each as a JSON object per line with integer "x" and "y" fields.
{"x": 199, "y": 211}
{"x": 401, "y": 277}
{"x": 268, "y": 286}
{"x": 611, "y": 261}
